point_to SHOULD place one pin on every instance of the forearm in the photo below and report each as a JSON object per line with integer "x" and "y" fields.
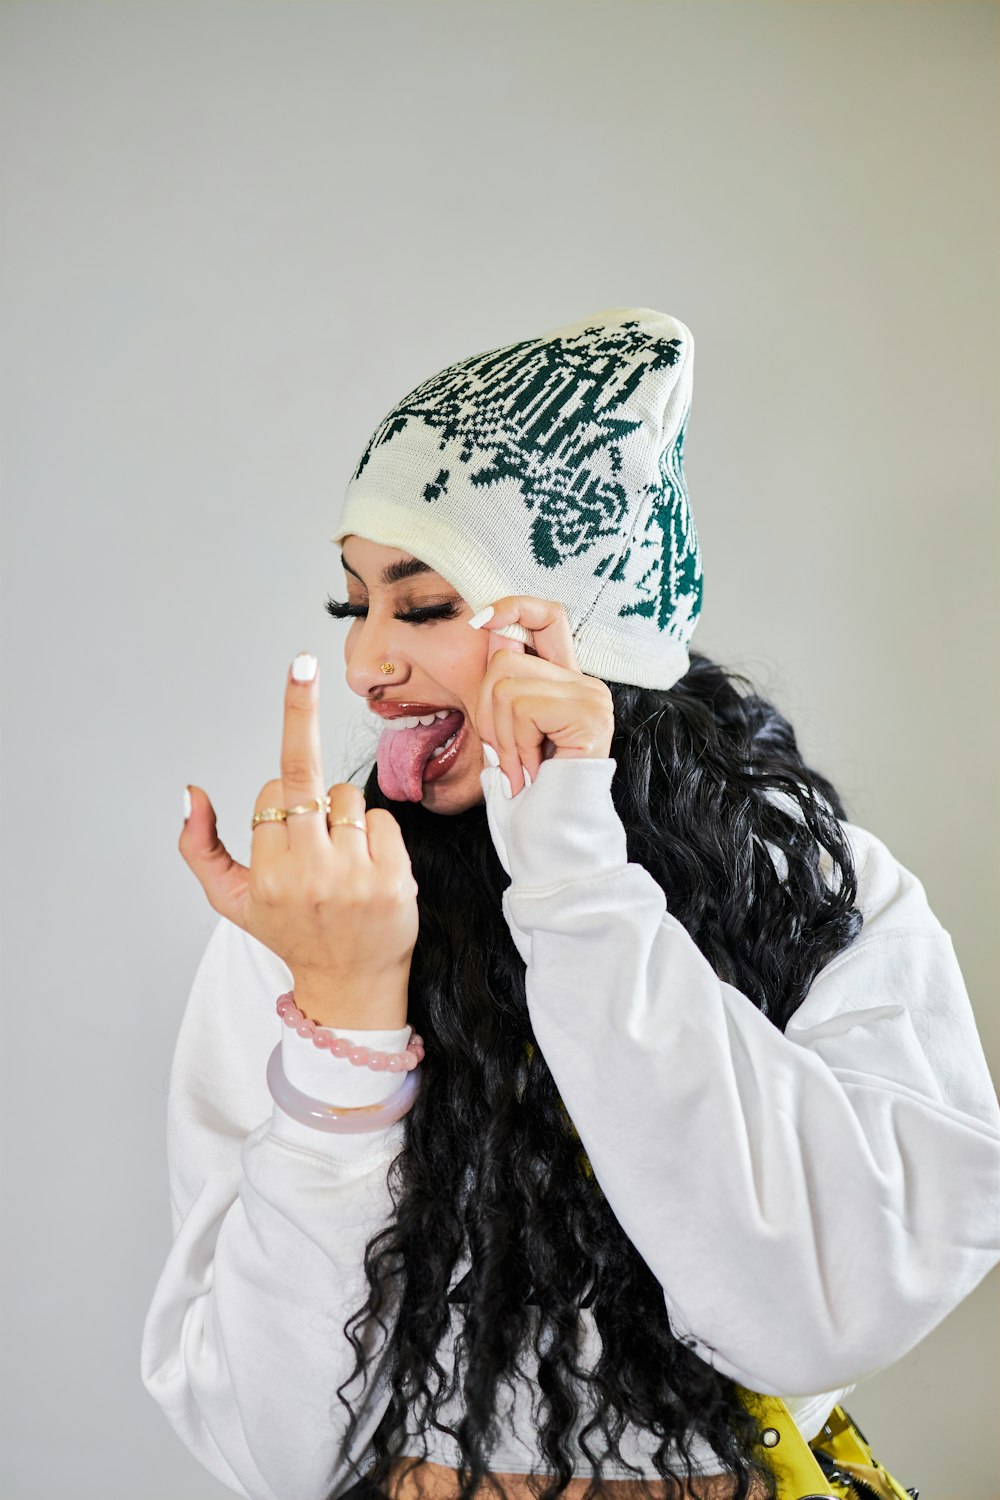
{"x": 270, "y": 1258}
{"x": 850, "y": 1203}
{"x": 270, "y": 1219}
{"x": 844, "y": 1172}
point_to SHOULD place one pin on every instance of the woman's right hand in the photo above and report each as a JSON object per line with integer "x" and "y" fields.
{"x": 337, "y": 904}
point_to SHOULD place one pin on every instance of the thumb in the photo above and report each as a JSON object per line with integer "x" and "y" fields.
{"x": 223, "y": 879}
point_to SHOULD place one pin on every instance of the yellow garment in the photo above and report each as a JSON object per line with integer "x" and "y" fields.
{"x": 793, "y": 1460}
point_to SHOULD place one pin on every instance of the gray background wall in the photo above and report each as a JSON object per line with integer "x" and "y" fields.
{"x": 234, "y": 234}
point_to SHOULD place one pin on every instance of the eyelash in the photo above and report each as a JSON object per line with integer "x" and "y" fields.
{"x": 425, "y": 614}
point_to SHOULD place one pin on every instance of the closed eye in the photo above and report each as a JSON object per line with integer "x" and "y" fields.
{"x": 420, "y": 615}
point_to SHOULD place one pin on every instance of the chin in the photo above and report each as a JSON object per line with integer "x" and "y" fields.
{"x": 439, "y": 798}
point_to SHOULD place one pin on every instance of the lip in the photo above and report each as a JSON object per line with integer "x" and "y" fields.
{"x": 401, "y": 710}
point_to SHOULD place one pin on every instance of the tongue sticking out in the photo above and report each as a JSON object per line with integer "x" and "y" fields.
{"x": 402, "y": 754}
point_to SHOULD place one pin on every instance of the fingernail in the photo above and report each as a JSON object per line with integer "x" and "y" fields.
{"x": 304, "y": 667}
{"x": 492, "y": 758}
{"x": 482, "y": 617}
{"x": 187, "y": 804}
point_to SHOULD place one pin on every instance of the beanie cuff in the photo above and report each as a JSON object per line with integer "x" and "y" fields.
{"x": 601, "y": 654}
{"x": 376, "y": 518}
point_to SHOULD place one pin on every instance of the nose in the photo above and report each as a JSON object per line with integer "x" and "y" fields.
{"x": 370, "y": 644}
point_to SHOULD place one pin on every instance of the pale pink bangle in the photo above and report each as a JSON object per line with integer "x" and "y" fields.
{"x": 357, "y": 1120}
{"x": 340, "y": 1046}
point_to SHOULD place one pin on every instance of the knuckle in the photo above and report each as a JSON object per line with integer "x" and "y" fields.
{"x": 298, "y": 770}
{"x": 265, "y": 887}
{"x": 392, "y": 897}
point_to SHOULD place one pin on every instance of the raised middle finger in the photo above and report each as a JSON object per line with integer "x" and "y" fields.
{"x": 301, "y": 764}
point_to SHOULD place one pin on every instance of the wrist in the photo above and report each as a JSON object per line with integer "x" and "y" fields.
{"x": 562, "y": 828}
{"x": 379, "y": 1004}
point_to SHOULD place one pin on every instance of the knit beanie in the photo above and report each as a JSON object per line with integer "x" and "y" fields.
{"x": 553, "y": 467}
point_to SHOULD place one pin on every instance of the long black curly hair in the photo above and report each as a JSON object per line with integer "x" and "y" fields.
{"x": 490, "y": 1161}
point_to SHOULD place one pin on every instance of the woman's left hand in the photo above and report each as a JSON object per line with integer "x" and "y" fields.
{"x": 538, "y": 705}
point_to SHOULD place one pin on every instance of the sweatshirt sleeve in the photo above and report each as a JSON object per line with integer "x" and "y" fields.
{"x": 813, "y": 1202}
{"x": 243, "y": 1345}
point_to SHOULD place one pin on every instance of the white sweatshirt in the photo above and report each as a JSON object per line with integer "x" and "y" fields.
{"x": 833, "y": 1191}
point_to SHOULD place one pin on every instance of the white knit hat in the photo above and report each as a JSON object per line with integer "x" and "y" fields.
{"x": 553, "y": 467}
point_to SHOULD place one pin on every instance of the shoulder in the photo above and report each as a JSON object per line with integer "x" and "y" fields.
{"x": 890, "y": 896}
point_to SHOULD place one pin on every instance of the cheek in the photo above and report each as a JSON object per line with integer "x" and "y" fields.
{"x": 460, "y": 662}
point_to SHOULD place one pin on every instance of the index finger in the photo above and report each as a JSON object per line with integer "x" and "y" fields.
{"x": 301, "y": 763}
{"x": 547, "y": 622}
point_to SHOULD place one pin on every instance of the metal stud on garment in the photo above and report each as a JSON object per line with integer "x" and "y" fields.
{"x": 770, "y": 1437}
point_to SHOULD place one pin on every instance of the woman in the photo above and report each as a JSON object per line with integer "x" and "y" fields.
{"x": 684, "y": 1097}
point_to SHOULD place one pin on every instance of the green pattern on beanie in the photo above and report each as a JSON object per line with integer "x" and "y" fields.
{"x": 553, "y": 466}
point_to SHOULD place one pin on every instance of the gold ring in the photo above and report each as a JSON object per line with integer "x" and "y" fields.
{"x": 318, "y": 804}
{"x": 268, "y": 815}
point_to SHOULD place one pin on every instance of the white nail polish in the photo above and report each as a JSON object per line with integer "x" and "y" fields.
{"x": 304, "y": 667}
{"x": 187, "y": 804}
{"x": 491, "y": 757}
{"x": 482, "y": 617}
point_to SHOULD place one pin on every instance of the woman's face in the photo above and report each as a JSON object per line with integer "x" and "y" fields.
{"x": 440, "y": 662}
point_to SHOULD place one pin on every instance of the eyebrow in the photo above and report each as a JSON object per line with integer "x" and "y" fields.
{"x": 395, "y": 572}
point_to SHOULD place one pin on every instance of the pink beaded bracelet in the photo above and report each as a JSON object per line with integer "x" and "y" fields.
{"x": 340, "y": 1046}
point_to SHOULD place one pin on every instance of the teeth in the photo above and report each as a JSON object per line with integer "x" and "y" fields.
{"x": 441, "y": 749}
{"x": 412, "y": 720}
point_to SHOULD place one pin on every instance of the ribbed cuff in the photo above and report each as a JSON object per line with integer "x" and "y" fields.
{"x": 335, "y": 1080}
{"x": 561, "y": 828}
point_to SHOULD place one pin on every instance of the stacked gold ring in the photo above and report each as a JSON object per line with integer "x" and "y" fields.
{"x": 319, "y": 804}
